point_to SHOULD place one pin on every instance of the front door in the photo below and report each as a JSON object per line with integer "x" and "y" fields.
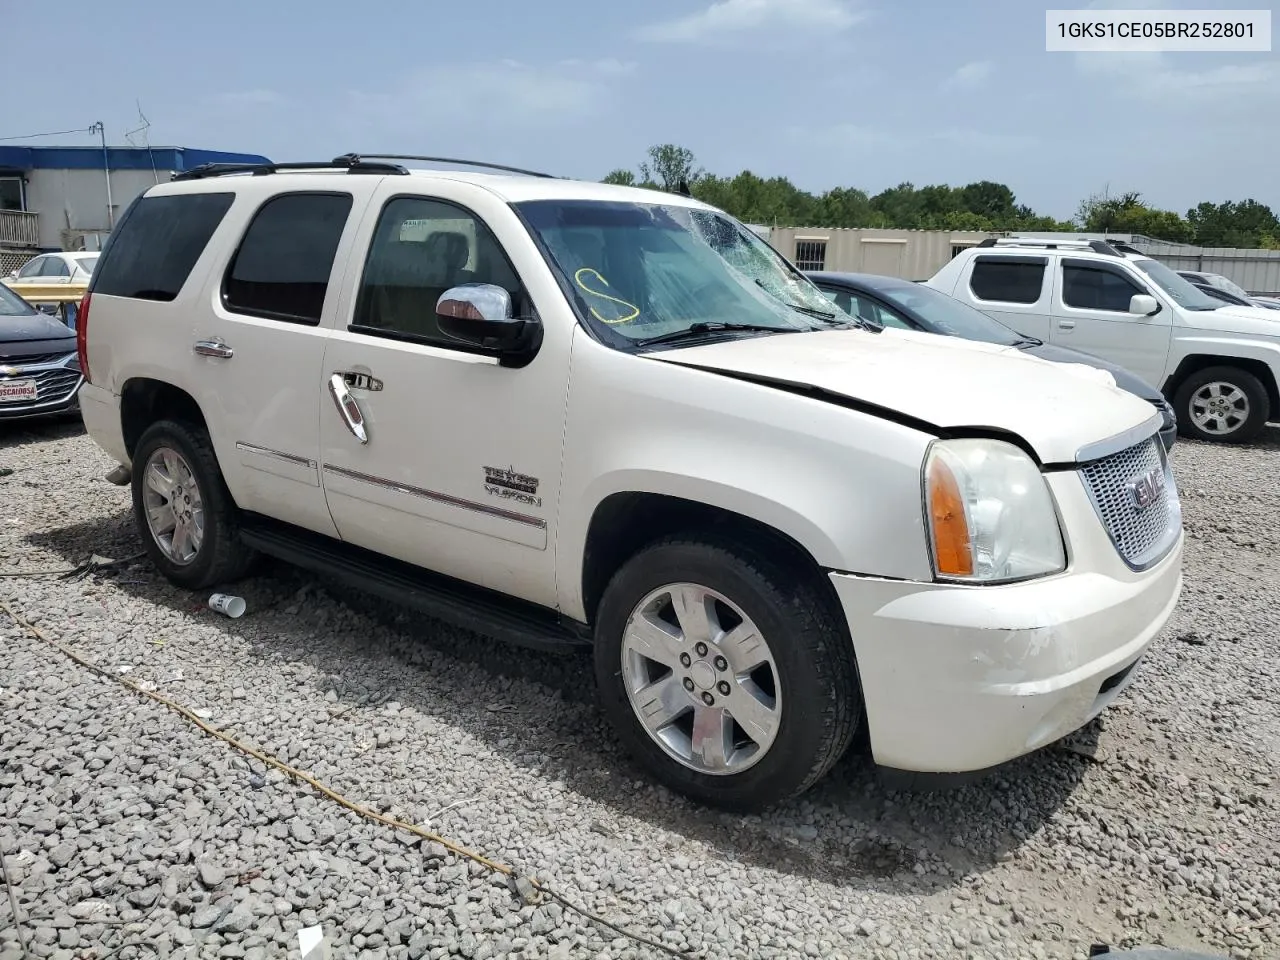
{"x": 455, "y": 463}
{"x": 1091, "y": 313}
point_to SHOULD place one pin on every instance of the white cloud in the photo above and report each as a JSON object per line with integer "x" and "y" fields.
{"x": 851, "y": 138}
{"x": 727, "y": 18}
{"x": 245, "y": 99}
{"x": 1153, "y": 76}
{"x": 608, "y": 66}
{"x": 502, "y": 94}
{"x": 970, "y": 75}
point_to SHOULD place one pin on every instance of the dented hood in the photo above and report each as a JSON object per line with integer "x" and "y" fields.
{"x": 947, "y": 383}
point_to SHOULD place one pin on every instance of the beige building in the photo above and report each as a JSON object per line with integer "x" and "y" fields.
{"x": 909, "y": 254}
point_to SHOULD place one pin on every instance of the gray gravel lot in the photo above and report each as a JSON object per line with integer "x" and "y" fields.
{"x": 129, "y": 830}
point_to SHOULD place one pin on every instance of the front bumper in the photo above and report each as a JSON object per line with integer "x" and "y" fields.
{"x": 962, "y": 678}
{"x": 56, "y": 392}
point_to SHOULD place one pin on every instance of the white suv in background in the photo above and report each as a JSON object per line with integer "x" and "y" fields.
{"x": 1218, "y": 364}
{"x": 569, "y": 413}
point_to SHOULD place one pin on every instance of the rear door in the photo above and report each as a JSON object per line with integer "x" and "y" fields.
{"x": 1012, "y": 288}
{"x": 259, "y": 340}
{"x": 1091, "y": 313}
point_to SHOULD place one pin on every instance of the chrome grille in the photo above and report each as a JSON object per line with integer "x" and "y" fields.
{"x": 51, "y": 385}
{"x": 35, "y": 359}
{"x": 1141, "y": 517}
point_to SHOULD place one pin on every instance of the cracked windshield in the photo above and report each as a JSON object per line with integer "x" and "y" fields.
{"x": 739, "y": 480}
{"x": 645, "y": 270}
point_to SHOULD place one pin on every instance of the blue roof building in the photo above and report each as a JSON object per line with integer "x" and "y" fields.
{"x": 68, "y": 198}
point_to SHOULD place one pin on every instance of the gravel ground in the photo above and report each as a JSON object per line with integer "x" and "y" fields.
{"x": 129, "y": 830}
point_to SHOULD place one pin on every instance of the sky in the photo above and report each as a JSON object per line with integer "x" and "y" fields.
{"x": 853, "y": 93}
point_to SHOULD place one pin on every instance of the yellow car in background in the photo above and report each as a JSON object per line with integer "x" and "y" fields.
{"x": 54, "y": 282}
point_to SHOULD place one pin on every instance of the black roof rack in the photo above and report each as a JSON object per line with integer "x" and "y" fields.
{"x": 1124, "y": 247}
{"x": 1097, "y": 246}
{"x": 464, "y": 163}
{"x": 350, "y": 162}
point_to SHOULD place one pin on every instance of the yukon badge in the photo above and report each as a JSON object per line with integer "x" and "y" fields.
{"x": 1146, "y": 489}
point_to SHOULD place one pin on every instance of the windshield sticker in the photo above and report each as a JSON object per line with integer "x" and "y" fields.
{"x": 509, "y": 484}
{"x": 634, "y": 310}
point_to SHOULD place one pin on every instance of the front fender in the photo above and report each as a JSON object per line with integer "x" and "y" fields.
{"x": 843, "y": 484}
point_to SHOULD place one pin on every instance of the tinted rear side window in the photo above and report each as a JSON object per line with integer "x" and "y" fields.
{"x": 281, "y": 271}
{"x": 1008, "y": 279}
{"x": 157, "y": 242}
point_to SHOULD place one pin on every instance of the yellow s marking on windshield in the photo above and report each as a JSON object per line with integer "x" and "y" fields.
{"x": 635, "y": 311}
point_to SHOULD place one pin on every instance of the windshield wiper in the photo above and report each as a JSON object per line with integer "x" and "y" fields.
{"x": 810, "y": 311}
{"x": 702, "y": 328}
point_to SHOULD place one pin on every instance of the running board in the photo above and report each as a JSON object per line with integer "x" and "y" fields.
{"x": 444, "y": 598}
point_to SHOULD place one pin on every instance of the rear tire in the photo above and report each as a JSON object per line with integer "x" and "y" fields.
{"x": 726, "y": 731}
{"x": 1222, "y": 405}
{"x": 185, "y": 515}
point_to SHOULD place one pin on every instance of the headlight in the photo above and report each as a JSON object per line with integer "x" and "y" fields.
{"x": 989, "y": 513}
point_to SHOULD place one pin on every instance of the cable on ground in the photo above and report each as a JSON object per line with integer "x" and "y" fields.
{"x": 295, "y": 774}
{"x": 13, "y": 905}
{"x": 92, "y": 564}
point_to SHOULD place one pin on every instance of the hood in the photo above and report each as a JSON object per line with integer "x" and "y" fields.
{"x": 1125, "y": 378}
{"x": 38, "y": 326}
{"x": 1258, "y": 321}
{"x": 947, "y": 383}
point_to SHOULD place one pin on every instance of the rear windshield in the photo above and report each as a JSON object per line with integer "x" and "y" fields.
{"x": 151, "y": 252}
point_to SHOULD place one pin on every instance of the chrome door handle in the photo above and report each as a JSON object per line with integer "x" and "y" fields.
{"x": 213, "y": 347}
{"x": 359, "y": 381}
{"x": 348, "y": 409}
{"x": 1066, "y": 324}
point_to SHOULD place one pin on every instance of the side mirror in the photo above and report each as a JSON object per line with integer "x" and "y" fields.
{"x": 480, "y": 314}
{"x": 1143, "y": 304}
{"x": 13, "y": 274}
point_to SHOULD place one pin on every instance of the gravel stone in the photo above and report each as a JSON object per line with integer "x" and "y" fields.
{"x": 210, "y": 874}
{"x": 121, "y": 820}
{"x": 205, "y": 916}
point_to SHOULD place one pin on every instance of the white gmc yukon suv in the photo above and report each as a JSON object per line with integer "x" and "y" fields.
{"x": 566, "y": 413}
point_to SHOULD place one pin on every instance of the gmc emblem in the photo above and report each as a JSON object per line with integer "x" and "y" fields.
{"x": 1146, "y": 489}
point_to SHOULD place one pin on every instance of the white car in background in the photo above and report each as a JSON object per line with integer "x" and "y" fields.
{"x": 53, "y": 268}
{"x": 1218, "y": 363}
{"x": 1215, "y": 280}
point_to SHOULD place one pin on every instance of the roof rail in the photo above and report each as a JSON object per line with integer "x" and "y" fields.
{"x": 349, "y": 162}
{"x": 465, "y": 163}
{"x": 1125, "y": 247}
{"x": 1097, "y": 246}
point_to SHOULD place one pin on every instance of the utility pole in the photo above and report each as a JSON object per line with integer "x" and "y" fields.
{"x": 101, "y": 130}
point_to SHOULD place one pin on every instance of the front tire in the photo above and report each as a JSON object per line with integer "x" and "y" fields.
{"x": 1222, "y": 405}
{"x": 183, "y": 510}
{"x": 729, "y": 677}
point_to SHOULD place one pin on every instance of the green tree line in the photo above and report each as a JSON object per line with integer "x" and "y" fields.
{"x": 984, "y": 205}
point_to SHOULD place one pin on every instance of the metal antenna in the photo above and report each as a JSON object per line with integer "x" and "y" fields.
{"x": 143, "y": 128}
